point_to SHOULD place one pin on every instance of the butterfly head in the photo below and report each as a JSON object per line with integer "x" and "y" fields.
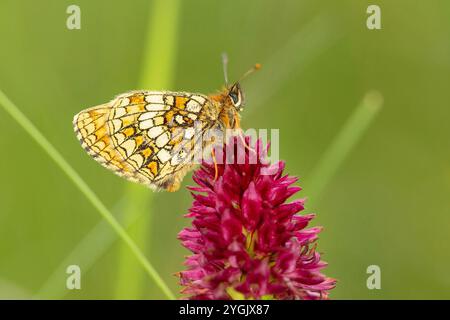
{"x": 234, "y": 92}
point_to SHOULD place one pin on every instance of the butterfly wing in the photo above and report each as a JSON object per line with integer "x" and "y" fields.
{"x": 145, "y": 136}
{"x": 92, "y": 131}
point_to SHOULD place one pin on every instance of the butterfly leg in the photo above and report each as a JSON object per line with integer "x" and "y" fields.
{"x": 237, "y": 126}
{"x": 245, "y": 143}
{"x": 216, "y": 169}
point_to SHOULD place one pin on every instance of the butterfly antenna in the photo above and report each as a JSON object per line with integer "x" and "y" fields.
{"x": 225, "y": 67}
{"x": 256, "y": 67}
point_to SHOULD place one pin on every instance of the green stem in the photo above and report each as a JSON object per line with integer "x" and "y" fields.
{"x": 344, "y": 142}
{"x": 39, "y": 138}
{"x": 156, "y": 73}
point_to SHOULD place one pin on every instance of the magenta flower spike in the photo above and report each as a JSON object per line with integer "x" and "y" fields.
{"x": 246, "y": 241}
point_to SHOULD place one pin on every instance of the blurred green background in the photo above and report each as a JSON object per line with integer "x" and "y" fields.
{"x": 388, "y": 203}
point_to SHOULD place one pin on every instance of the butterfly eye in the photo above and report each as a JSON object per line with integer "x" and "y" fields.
{"x": 235, "y": 96}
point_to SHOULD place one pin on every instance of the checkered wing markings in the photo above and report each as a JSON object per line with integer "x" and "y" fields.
{"x": 147, "y": 137}
{"x": 188, "y": 148}
{"x": 92, "y": 132}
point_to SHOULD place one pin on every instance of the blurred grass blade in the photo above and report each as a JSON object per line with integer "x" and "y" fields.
{"x": 343, "y": 143}
{"x": 9, "y": 289}
{"x": 306, "y": 44}
{"x": 87, "y": 251}
{"x": 129, "y": 276}
{"x": 37, "y": 136}
{"x": 160, "y": 45}
{"x": 156, "y": 73}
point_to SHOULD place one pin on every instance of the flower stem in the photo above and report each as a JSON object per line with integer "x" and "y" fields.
{"x": 156, "y": 73}
{"x": 40, "y": 139}
{"x": 352, "y": 131}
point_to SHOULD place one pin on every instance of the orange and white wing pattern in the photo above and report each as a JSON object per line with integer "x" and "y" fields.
{"x": 145, "y": 136}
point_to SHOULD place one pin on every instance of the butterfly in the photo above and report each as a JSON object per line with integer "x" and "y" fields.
{"x": 149, "y": 137}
